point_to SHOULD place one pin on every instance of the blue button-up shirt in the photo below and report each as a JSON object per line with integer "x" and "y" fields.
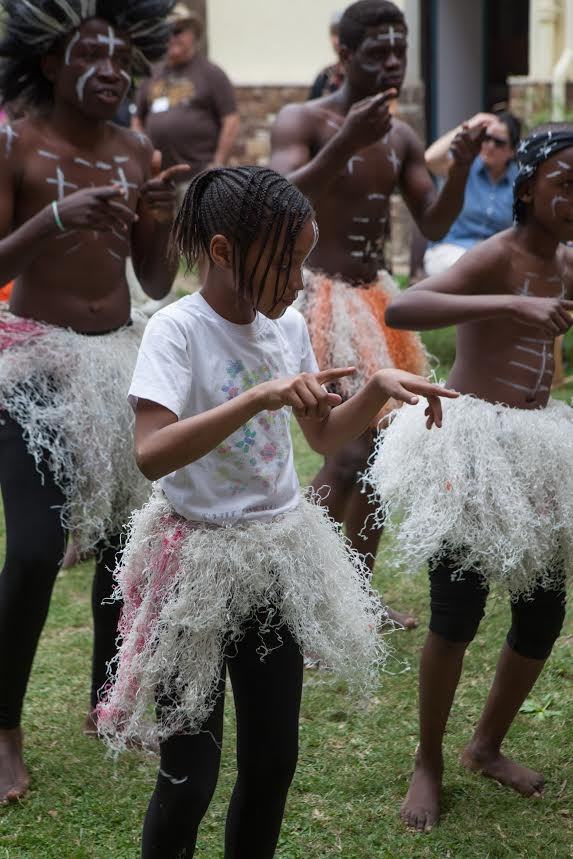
{"x": 488, "y": 206}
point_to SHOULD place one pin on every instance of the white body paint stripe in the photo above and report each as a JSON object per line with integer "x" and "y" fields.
{"x": 75, "y": 38}
{"x": 82, "y": 81}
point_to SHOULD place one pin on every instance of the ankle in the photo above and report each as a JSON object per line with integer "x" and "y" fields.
{"x": 482, "y": 748}
{"x": 431, "y": 760}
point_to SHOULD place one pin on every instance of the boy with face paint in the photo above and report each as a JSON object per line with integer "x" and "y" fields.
{"x": 495, "y": 503}
{"x": 78, "y": 195}
{"x": 348, "y": 154}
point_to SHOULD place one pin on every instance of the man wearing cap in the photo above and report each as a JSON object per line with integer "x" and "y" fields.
{"x": 188, "y": 106}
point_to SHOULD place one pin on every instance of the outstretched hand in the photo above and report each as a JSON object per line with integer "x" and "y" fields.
{"x": 305, "y": 393}
{"x": 408, "y": 388}
{"x": 159, "y": 192}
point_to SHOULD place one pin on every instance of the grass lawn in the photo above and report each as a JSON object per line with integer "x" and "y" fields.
{"x": 355, "y": 755}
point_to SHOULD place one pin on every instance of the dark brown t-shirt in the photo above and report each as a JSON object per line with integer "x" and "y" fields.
{"x": 182, "y": 108}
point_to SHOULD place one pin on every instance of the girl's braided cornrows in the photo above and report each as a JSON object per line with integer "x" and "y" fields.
{"x": 245, "y": 204}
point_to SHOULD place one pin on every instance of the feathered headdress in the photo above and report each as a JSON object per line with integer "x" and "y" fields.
{"x": 32, "y": 28}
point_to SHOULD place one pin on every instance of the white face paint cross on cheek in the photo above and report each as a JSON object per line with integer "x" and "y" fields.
{"x": 82, "y": 81}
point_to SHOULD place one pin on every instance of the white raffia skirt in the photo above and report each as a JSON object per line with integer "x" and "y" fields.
{"x": 68, "y": 392}
{"x": 190, "y": 590}
{"x": 493, "y": 487}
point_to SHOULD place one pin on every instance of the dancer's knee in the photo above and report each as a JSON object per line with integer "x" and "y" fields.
{"x": 457, "y": 603}
{"x": 35, "y": 560}
{"x": 184, "y": 798}
{"x": 277, "y": 766}
{"x": 346, "y": 465}
{"x": 536, "y": 623}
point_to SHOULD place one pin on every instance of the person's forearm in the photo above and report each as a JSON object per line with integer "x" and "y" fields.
{"x": 314, "y": 178}
{"x": 26, "y": 243}
{"x": 349, "y": 420}
{"x": 154, "y": 267}
{"x": 227, "y": 138}
{"x": 441, "y": 214}
{"x": 181, "y": 443}
{"x": 423, "y": 309}
{"x": 437, "y": 156}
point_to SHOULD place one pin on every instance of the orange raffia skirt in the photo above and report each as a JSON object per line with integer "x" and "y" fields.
{"x": 347, "y": 328}
{"x": 5, "y": 291}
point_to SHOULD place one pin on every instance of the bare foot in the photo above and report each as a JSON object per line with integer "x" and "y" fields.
{"x": 505, "y": 771}
{"x": 14, "y": 780}
{"x": 408, "y": 621}
{"x": 421, "y": 808}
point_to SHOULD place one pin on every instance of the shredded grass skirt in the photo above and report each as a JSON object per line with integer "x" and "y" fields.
{"x": 189, "y": 591}
{"x": 68, "y": 392}
{"x": 493, "y": 487}
{"x": 347, "y": 328}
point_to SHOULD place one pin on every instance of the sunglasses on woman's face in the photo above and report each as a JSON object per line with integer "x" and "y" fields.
{"x": 497, "y": 141}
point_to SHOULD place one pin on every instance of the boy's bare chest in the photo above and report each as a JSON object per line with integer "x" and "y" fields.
{"x": 529, "y": 278}
{"x": 374, "y": 170}
{"x": 53, "y": 172}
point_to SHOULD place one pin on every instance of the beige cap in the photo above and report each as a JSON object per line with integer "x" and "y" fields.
{"x": 181, "y": 14}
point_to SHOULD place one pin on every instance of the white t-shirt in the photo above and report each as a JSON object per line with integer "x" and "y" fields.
{"x": 191, "y": 360}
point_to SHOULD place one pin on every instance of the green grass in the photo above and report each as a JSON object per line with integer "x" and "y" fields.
{"x": 355, "y": 756}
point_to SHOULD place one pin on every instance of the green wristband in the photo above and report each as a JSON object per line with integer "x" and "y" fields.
{"x": 57, "y": 218}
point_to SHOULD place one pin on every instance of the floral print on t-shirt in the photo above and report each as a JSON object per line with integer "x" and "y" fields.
{"x": 255, "y": 454}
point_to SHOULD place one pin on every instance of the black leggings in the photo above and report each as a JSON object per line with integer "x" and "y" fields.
{"x": 458, "y": 605}
{"x": 267, "y": 702}
{"x": 35, "y": 545}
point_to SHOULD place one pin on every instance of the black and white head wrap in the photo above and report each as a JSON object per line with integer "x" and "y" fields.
{"x": 33, "y": 28}
{"x": 531, "y": 153}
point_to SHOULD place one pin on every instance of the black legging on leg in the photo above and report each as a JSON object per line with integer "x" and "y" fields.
{"x": 458, "y": 604}
{"x": 35, "y": 545}
{"x": 267, "y": 702}
{"x": 105, "y": 615}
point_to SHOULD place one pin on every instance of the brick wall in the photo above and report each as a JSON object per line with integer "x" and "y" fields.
{"x": 258, "y": 107}
{"x": 532, "y": 101}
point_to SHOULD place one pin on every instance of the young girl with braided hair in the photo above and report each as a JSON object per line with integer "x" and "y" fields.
{"x": 228, "y": 566}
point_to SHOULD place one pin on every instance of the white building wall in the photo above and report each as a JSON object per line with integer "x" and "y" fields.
{"x": 271, "y": 41}
{"x": 459, "y": 62}
{"x": 284, "y": 41}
